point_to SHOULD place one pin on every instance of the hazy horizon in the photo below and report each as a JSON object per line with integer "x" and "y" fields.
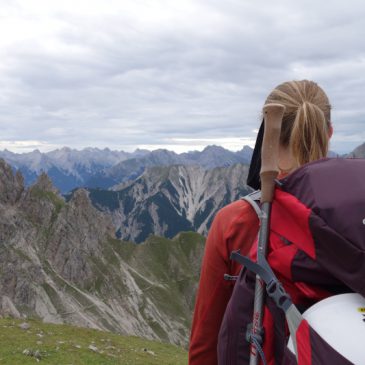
{"x": 163, "y": 147}
{"x": 201, "y": 148}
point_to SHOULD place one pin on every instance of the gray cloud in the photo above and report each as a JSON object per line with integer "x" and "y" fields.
{"x": 143, "y": 73}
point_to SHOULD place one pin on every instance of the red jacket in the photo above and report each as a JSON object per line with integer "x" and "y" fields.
{"x": 234, "y": 227}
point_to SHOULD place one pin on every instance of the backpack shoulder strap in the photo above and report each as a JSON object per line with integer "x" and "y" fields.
{"x": 254, "y": 200}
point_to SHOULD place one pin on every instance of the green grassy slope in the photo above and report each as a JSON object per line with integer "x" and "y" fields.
{"x": 167, "y": 271}
{"x": 65, "y": 345}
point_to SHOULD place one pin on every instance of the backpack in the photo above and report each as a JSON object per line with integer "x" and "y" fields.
{"x": 316, "y": 250}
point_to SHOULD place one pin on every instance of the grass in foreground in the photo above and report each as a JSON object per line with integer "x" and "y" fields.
{"x": 65, "y": 345}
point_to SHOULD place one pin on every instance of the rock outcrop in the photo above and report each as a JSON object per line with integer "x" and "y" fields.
{"x": 60, "y": 261}
{"x": 166, "y": 200}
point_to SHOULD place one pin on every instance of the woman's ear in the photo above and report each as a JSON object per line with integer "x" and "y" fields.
{"x": 330, "y": 131}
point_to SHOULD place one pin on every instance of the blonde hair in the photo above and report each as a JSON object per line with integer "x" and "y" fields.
{"x": 306, "y": 122}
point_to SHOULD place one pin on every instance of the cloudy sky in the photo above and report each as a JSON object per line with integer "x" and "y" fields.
{"x": 176, "y": 74}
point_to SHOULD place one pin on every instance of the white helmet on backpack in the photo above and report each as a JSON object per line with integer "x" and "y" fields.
{"x": 340, "y": 321}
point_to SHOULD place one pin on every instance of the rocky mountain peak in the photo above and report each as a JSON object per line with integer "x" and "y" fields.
{"x": 11, "y": 185}
{"x": 213, "y": 149}
{"x": 90, "y": 225}
{"x": 44, "y": 183}
{"x": 81, "y": 199}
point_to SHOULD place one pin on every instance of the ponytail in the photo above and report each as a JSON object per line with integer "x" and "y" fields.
{"x": 306, "y": 121}
{"x": 309, "y": 136}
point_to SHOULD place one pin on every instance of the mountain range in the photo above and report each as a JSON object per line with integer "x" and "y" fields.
{"x": 60, "y": 262}
{"x": 103, "y": 168}
{"x": 166, "y": 200}
{"x": 68, "y": 168}
{"x": 92, "y": 167}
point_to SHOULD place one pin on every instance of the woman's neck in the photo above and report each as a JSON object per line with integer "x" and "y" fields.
{"x": 287, "y": 162}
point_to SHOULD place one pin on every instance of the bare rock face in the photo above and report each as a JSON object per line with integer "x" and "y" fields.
{"x": 45, "y": 242}
{"x": 45, "y": 184}
{"x": 77, "y": 233}
{"x": 11, "y": 186}
{"x": 61, "y": 262}
{"x": 41, "y": 202}
{"x": 166, "y": 200}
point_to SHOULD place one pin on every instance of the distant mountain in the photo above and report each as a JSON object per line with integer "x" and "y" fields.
{"x": 210, "y": 157}
{"x": 92, "y": 167}
{"x": 132, "y": 168}
{"x": 358, "y": 152}
{"x": 332, "y": 154}
{"x": 167, "y": 200}
{"x": 216, "y": 156}
{"x": 60, "y": 262}
{"x": 95, "y": 168}
{"x": 67, "y": 168}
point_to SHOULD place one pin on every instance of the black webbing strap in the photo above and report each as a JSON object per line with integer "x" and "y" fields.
{"x": 273, "y": 286}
